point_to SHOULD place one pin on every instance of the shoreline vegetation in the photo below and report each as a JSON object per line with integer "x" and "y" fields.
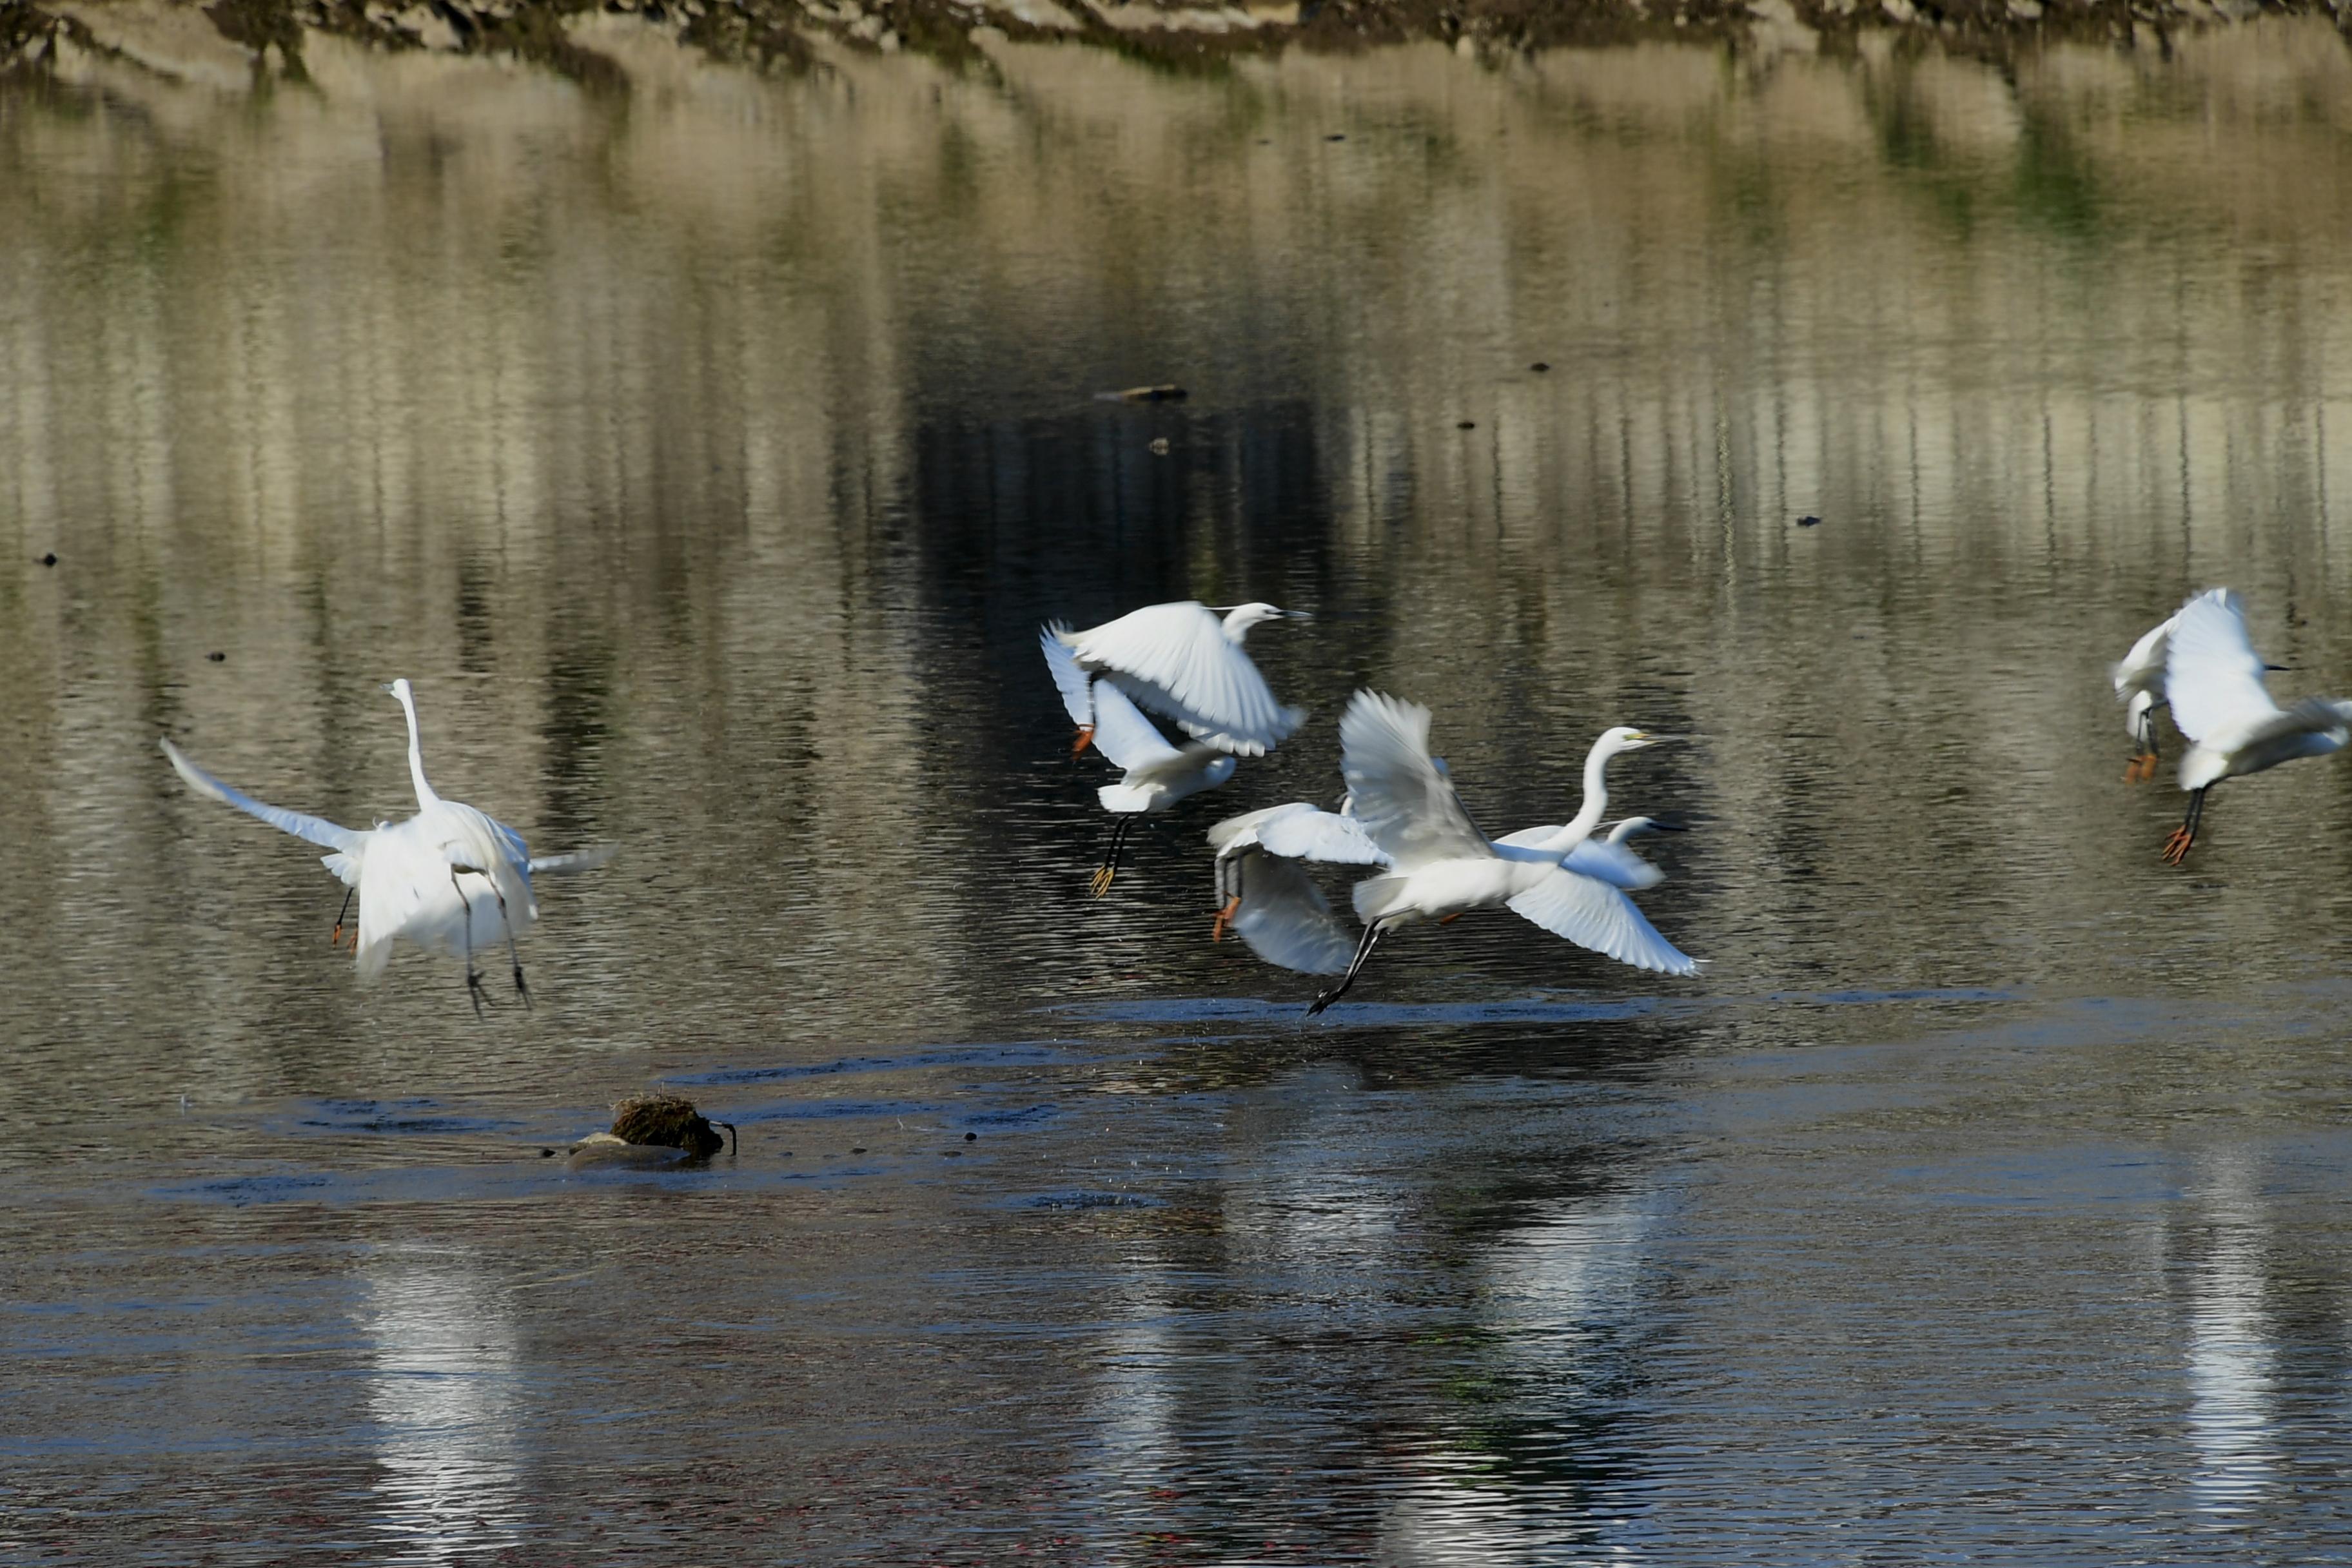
{"x": 39, "y": 37}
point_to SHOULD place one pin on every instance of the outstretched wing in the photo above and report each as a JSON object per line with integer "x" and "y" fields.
{"x": 1176, "y": 660}
{"x": 2212, "y": 674}
{"x": 1124, "y": 735}
{"x": 1597, "y": 916}
{"x": 1073, "y": 682}
{"x": 1285, "y": 918}
{"x": 317, "y": 829}
{"x": 1326, "y": 835}
{"x": 1403, "y": 799}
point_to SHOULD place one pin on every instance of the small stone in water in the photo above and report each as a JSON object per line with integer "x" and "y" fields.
{"x": 50, "y": 559}
{"x": 1467, "y": 425}
{"x": 1808, "y": 520}
{"x": 859, "y": 1150}
{"x": 217, "y": 657}
{"x": 1540, "y": 367}
{"x": 969, "y": 1136}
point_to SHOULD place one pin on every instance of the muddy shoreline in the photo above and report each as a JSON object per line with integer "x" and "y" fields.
{"x": 791, "y": 35}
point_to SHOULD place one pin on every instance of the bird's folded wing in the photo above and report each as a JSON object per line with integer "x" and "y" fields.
{"x": 1325, "y": 836}
{"x": 1125, "y": 735}
{"x": 2212, "y": 674}
{"x": 1286, "y": 919}
{"x": 1176, "y": 660}
{"x": 1403, "y": 799}
{"x": 1598, "y": 916}
{"x": 317, "y": 829}
{"x": 1073, "y": 682}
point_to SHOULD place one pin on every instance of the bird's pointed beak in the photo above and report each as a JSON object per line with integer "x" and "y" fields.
{"x": 1298, "y": 615}
{"x": 386, "y": 689}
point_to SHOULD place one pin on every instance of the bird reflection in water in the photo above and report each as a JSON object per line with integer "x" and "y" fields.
{"x": 442, "y": 1391}
{"x": 2231, "y": 1354}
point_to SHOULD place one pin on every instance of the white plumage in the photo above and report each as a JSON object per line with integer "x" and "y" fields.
{"x": 1157, "y": 774}
{"x": 2213, "y": 679}
{"x": 450, "y": 878}
{"x": 2138, "y": 678}
{"x": 1441, "y": 865}
{"x": 1270, "y": 901}
{"x": 1185, "y": 661}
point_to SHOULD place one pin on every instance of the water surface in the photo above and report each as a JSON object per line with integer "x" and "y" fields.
{"x": 708, "y": 457}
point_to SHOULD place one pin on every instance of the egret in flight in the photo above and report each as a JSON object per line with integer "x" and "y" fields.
{"x": 1185, "y": 661}
{"x": 2213, "y": 679}
{"x": 430, "y": 878}
{"x": 1270, "y": 901}
{"x": 1441, "y": 865}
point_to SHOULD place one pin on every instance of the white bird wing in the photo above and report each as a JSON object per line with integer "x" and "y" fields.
{"x": 1403, "y": 799}
{"x": 2212, "y": 675}
{"x": 317, "y": 829}
{"x": 2142, "y": 670}
{"x": 1607, "y": 859}
{"x": 1125, "y": 735}
{"x": 1237, "y": 833}
{"x": 1176, "y": 660}
{"x": 565, "y": 865}
{"x": 1325, "y": 836}
{"x": 1286, "y": 919}
{"x": 1070, "y": 680}
{"x": 1597, "y": 916}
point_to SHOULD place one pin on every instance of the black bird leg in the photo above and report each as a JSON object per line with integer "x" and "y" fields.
{"x": 1324, "y": 998}
{"x": 512, "y": 956}
{"x": 2176, "y": 849}
{"x": 473, "y": 976}
{"x": 335, "y": 937}
{"x": 1109, "y": 868}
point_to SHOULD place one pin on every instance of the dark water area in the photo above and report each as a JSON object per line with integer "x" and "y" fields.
{"x": 709, "y": 460}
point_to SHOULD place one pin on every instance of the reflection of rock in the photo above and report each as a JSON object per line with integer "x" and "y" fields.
{"x": 232, "y": 41}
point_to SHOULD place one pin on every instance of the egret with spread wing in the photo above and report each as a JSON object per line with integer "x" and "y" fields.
{"x": 1441, "y": 865}
{"x": 420, "y": 878}
{"x": 2213, "y": 679}
{"x": 1186, "y": 661}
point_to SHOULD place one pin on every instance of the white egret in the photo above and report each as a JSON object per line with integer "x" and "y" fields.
{"x": 2138, "y": 678}
{"x": 1158, "y": 775}
{"x": 2213, "y": 679}
{"x": 421, "y": 878}
{"x": 1441, "y": 865}
{"x": 1269, "y": 900}
{"x": 1186, "y": 662}
{"x": 1607, "y": 859}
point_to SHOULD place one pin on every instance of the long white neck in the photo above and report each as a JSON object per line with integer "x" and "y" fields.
{"x": 424, "y": 796}
{"x": 1596, "y": 801}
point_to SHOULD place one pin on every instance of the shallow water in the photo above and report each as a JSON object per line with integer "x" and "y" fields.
{"x": 708, "y": 458}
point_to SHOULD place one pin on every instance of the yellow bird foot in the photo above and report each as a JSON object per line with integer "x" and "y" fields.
{"x": 1224, "y": 917}
{"x": 1103, "y": 874}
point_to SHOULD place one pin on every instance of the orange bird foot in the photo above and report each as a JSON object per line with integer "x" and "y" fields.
{"x": 2176, "y": 849}
{"x": 1224, "y": 917}
{"x": 1085, "y": 738}
{"x": 1449, "y": 919}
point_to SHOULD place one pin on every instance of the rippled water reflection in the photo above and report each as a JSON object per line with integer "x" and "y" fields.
{"x": 708, "y": 459}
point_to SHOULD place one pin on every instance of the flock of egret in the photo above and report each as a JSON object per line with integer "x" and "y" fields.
{"x": 1401, "y": 815}
{"x": 452, "y": 879}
